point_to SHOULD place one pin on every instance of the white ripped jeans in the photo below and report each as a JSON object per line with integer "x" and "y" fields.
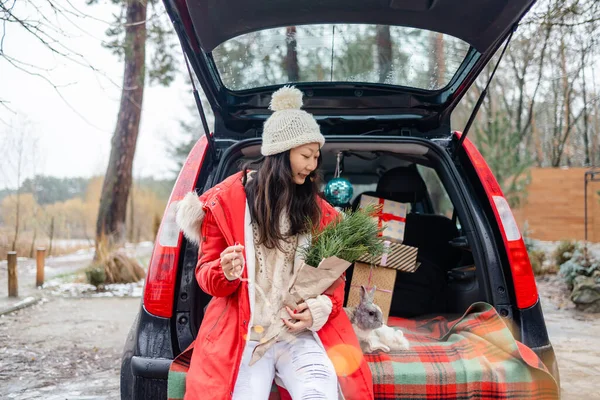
{"x": 303, "y": 367}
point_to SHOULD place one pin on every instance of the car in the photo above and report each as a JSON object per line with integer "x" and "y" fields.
{"x": 382, "y": 78}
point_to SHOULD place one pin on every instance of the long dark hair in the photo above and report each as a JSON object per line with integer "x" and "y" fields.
{"x": 272, "y": 191}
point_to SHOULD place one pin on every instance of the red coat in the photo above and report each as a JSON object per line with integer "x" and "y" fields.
{"x": 220, "y": 343}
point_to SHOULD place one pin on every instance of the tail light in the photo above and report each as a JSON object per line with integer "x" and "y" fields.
{"x": 523, "y": 278}
{"x": 159, "y": 290}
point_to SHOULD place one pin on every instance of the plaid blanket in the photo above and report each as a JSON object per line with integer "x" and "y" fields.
{"x": 472, "y": 357}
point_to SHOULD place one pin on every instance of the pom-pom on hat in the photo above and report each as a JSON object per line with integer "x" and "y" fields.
{"x": 288, "y": 126}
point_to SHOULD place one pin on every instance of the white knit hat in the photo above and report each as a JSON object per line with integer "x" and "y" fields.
{"x": 288, "y": 126}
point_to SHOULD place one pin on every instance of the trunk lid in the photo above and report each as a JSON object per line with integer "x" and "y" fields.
{"x": 397, "y": 67}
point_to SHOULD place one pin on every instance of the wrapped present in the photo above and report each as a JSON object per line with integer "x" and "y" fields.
{"x": 368, "y": 275}
{"x": 381, "y": 272}
{"x": 392, "y": 216}
{"x": 398, "y": 256}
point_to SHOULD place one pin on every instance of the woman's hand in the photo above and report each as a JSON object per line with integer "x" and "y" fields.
{"x": 232, "y": 262}
{"x": 302, "y": 316}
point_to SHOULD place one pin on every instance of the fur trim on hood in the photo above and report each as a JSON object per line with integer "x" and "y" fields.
{"x": 189, "y": 216}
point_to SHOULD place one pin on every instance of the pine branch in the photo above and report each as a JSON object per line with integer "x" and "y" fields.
{"x": 348, "y": 238}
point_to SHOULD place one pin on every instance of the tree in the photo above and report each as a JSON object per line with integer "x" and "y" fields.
{"x": 18, "y": 213}
{"x": 19, "y": 145}
{"x": 354, "y": 49}
{"x": 180, "y": 150}
{"x": 130, "y": 35}
{"x": 437, "y": 61}
{"x": 191, "y": 131}
{"x": 141, "y": 220}
{"x": 546, "y": 85}
{"x": 566, "y": 111}
{"x": 49, "y": 24}
{"x": 384, "y": 52}
{"x": 254, "y": 59}
{"x": 499, "y": 144}
{"x": 50, "y": 189}
{"x": 291, "y": 58}
{"x": 562, "y": 123}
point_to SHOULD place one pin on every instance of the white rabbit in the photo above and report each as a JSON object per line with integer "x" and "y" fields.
{"x": 367, "y": 321}
{"x": 391, "y": 338}
{"x": 366, "y": 317}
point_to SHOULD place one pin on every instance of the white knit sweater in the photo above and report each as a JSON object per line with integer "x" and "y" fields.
{"x": 274, "y": 273}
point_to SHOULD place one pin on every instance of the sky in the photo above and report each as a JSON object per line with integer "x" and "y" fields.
{"x": 73, "y": 132}
{"x": 73, "y": 124}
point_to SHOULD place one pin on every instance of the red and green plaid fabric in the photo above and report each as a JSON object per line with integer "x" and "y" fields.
{"x": 473, "y": 357}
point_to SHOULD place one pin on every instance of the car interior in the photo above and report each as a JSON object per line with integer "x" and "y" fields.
{"x": 445, "y": 283}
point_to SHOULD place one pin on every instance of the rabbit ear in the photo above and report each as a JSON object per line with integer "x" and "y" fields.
{"x": 370, "y": 293}
{"x": 363, "y": 293}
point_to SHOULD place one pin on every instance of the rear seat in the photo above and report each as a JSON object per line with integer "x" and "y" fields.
{"x": 421, "y": 292}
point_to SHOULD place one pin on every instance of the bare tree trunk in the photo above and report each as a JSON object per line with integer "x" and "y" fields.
{"x": 440, "y": 59}
{"x": 529, "y": 119}
{"x": 18, "y": 210}
{"x": 51, "y": 236}
{"x": 570, "y": 120}
{"x": 595, "y": 148}
{"x": 556, "y": 123}
{"x": 291, "y": 57}
{"x": 86, "y": 235}
{"x": 32, "y": 249}
{"x": 384, "y": 52}
{"x": 586, "y": 141}
{"x": 16, "y": 238}
{"x": 112, "y": 213}
{"x": 566, "y": 93}
{"x": 538, "y": 146}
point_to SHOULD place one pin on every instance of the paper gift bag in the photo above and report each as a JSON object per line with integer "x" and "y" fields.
{"x": 309, "y": 282}
{"x": 392, "y": 216}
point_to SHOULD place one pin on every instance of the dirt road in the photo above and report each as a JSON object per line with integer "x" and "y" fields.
{"x": 65, "y": 348}
{"x": 575, "y": 337}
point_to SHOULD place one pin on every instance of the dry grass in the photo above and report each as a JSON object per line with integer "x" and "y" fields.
{"x": 537, "y": 259}
{"x": 23, "y": 248}
{"x": 113, "y": 266}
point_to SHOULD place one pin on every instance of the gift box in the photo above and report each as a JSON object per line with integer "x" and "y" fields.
{"x": 381, "y": 272}
{"x": 392, "y": 216}
{"x": 382, "y": 278}
{"x": 399, "y": 257}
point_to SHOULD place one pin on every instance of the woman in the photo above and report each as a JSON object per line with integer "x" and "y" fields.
{"x": 249, "y": 229}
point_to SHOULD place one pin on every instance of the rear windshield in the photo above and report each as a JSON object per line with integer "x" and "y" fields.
{"x": 391, "y": 55}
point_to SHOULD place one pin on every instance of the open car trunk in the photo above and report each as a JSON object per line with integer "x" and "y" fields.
{"x": 459, "y": 343}
{"x": 460, "y": 310}
{"x": 418, "y": 174}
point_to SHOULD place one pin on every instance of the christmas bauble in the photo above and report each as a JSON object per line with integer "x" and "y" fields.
{"x": 338, "y": 191}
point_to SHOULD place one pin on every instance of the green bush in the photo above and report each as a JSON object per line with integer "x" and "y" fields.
{"x": 537, "y": 259}
{"x": 95, "y": 275}
{"x": 578, "y": 265}
{"x": 564, "y": 252}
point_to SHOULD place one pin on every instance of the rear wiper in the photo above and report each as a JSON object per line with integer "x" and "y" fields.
{"x": 373, "y": 131}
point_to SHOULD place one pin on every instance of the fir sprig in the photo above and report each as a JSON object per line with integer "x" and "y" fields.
{"x": 348, "y": 238}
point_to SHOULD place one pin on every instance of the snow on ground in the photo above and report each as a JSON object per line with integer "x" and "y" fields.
{"x": 68, "y": 288}
{"x": 549, "y": 247}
